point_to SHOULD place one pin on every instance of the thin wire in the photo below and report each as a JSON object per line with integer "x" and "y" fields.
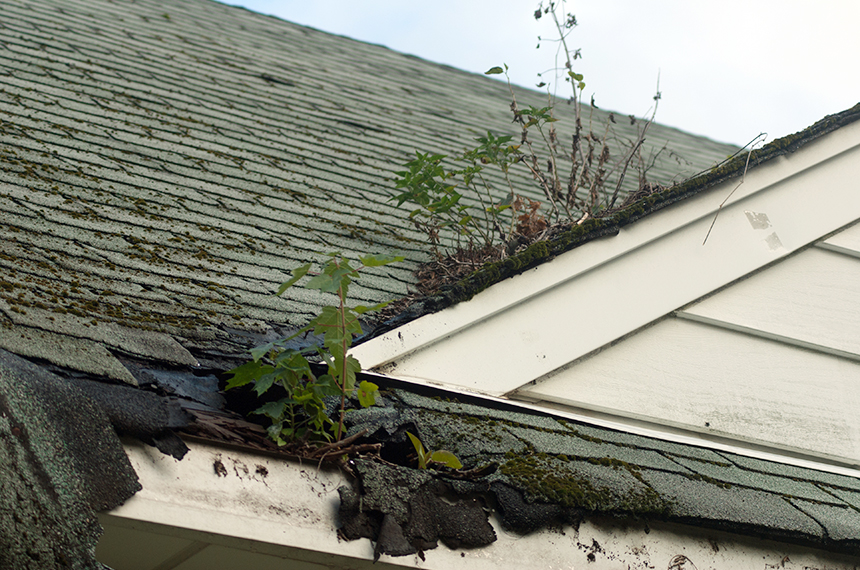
{"x": 751, "y": 144}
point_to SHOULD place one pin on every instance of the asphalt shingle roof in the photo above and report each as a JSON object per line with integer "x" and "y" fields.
{"x": 164, "y": 164}
{"x": 560, "y": 470}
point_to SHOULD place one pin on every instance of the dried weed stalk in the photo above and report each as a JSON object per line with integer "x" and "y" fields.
{"x": 579, "y": 179}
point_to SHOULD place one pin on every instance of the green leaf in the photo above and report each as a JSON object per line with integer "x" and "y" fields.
{"x": 323, "y": 282}
{"x": 247, "y": 373}
{"x": 276, "y": 429}
{"x": 367, "y": 393}
{"x": 264, "y": 382}
{"x": 353, "y": 367}
{"x": 377, "y": 260}
{"x": 326, "y": 386}
{"x": 259, "y": 352}
{"x": 295, "y": 362}
{"x": 361, "y": 309}
{"x": 494, "y": 71}
{"x": 297, "y": 274}
{"x": 419, "y": 449}
{"x": 273, "y": 410}
{"x": 446, "y": 458}
{"x": 334, "y": 330}
{"x": 329, "y": 318}
{"x": 304, "y": 397}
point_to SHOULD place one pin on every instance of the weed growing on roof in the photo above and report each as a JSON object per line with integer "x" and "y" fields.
{"x": 462, "y": 205}
{"x": 301, "y": 416}
{"x": 427, "y": 458}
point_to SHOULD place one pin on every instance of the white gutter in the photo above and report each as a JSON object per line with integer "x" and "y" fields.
{"x": 216, "y": 509}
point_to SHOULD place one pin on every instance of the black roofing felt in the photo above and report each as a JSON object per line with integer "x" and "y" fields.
{"x": 549, "y": 471}
{"x": 164, "y": 164}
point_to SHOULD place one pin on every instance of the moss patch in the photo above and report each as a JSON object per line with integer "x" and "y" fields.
{"x": 584, "y": 485}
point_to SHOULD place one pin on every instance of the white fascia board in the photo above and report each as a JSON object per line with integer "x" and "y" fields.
{"x": 216, "y": 497}
{"x": 222, "y": 492}
{"x": 523, "y": 328}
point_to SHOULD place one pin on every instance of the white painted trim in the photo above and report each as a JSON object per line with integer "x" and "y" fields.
{"x": 291, "y": 507}
{"x": 767, "y": 335}
{"x": 839, "y": 249}
{"x": 846, "y": 240}
{"x": 647, "y": 427}
{"x": 527, "y": 327}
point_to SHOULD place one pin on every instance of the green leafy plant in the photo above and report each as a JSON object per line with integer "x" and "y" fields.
{"x": 301, "y": 415}
{"x": 427, "y": 458}
{"x": 473, "y": 195}
{"x": 438, "y": 193}
{"x": 425, "y": 183}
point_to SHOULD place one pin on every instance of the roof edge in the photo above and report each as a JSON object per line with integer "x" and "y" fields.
{"x": 594, "y": 228}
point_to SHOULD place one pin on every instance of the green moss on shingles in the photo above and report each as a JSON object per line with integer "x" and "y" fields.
{"x": 552, "y": 480}
{"x": 614, "y": 463}
{"x": 93, "y": 304}
{"x": 706, "y": 479}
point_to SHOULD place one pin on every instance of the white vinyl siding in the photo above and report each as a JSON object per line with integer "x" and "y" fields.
{"x": 811, "y": 300}
{"x": 713, "y": 380}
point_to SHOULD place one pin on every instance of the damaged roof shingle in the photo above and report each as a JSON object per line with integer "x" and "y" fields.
{"x": 62, "y": 462}
{"x": 551, "y": 471}
{"x": 166, "y": 163}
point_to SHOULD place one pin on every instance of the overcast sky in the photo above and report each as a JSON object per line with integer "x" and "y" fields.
{"x": 728, "y": 69}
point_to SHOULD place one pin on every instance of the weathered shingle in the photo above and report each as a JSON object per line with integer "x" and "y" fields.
{"x": 561, "y": 473}
{"x": 165, "y": 164}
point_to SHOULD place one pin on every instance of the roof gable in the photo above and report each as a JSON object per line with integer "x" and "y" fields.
{"x": 521, "y": 337}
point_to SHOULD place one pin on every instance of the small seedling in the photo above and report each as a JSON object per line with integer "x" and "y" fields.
{"x": 427, "y": 459}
